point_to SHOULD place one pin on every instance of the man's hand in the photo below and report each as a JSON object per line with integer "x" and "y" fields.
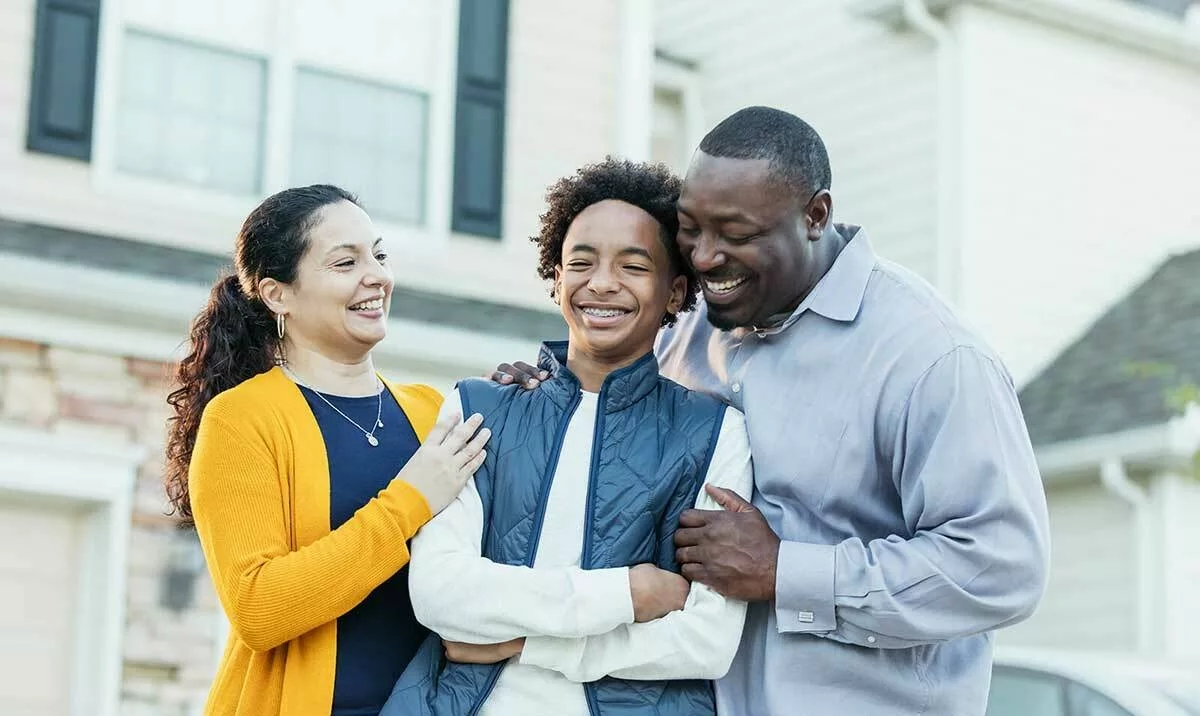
{"x": 656, "y": 592}
{"x": 733, "y": 551}
{"x": 519, "y": 372}
{"x": 482, "y": 653}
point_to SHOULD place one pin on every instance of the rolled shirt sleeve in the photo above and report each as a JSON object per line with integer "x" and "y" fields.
{"x": 975, "y": 558}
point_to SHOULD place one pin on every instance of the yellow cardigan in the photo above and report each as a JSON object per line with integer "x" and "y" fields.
{"x": 259, "y": 482}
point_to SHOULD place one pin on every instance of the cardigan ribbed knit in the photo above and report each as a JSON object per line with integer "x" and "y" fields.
{"x": 259, "y": 484}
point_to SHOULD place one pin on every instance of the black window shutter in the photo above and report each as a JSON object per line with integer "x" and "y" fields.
{"x": 64, "y": 77}
{"x": 479, "y": 117}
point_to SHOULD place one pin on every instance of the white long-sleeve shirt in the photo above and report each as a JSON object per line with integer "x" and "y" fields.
{"x": 578, "y": 624}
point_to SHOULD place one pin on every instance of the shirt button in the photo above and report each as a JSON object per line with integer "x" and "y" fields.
{"x": 736, "y": 387}
{"x": 870, "y": 640}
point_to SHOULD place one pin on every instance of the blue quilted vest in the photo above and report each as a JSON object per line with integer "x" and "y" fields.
{"x": 653, "y": 442}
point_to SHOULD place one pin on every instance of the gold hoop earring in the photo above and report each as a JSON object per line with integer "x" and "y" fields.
{"x": 280, "y": 325}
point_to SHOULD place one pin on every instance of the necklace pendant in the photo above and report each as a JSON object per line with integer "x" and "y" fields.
{"x": 374, "y": 441}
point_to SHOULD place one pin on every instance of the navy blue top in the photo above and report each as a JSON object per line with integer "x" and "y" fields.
{"x": 377, "y": 638}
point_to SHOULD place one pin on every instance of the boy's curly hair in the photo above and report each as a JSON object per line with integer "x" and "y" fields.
{"x": 649, "y": 186}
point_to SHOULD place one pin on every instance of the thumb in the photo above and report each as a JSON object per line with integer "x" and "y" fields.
{"x": 728, "y": 499}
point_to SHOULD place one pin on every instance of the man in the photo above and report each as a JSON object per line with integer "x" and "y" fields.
{"x": 898, "y": 516}
{"x": 552, "y": 578}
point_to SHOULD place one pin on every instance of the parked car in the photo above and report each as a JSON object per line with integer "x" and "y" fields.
{"x": 1038, "y": 682}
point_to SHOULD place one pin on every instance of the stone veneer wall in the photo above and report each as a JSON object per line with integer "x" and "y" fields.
{"x": 169, "y": 657}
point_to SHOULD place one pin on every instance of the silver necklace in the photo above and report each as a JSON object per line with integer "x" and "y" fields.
{"x": 371, "y": 439}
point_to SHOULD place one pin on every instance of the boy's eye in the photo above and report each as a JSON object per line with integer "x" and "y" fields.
{"x": 689, "y": 230}
{"x": 578, "y": 264}
{"x": 637, "y": 267}
{"x": 381, "y": 257}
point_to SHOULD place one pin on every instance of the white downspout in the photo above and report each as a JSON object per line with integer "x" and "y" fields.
{"x": 1116, "y": 480}
{"x": 947, "y": 249}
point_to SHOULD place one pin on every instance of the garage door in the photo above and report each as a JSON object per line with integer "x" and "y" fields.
{"x": 40, "y": 548}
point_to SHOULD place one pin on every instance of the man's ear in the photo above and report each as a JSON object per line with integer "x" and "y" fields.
{"x": 817, "y": 213}
{"x": 275, "y": 294}
{"x": 556, "y": 293}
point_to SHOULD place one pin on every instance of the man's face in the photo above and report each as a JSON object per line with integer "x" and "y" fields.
{"x": 749, "y": 237}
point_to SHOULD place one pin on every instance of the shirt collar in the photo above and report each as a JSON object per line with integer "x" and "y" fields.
{"x": 839, "y": 294}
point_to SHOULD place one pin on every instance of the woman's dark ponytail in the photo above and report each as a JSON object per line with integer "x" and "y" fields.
{"x": 234, "y": 337}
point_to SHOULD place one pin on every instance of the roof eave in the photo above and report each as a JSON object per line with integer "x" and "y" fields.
{"x": 1119, "y": 23}
{"x": 1164, "y": 447}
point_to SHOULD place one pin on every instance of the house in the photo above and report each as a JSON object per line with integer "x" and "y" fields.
{"x": 1116, "y": 425}
{"x": 135, "y": 137}
{"x": 1031, "y": 158}
{"x": 981, "y": 142}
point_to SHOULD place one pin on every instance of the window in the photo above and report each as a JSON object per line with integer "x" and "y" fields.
{"x": 669, "y": 139}
{"x": 190, "y": 114}
{"x": 677, "y": 122}
{"x": 1017, "y": 692}
{"x": 365, "y": 137}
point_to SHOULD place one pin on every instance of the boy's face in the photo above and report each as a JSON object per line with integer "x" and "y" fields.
{"x": 615, "y": 282}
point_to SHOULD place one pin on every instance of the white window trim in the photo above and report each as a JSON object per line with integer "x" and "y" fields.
{"x": 99, "y": 478}
{"x": 678, "y": 77}
{"x": 282, "y": 65}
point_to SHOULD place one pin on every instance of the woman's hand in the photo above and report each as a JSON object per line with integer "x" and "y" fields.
{"x": 482, "y": 653}
{"x": 447, "y": 459}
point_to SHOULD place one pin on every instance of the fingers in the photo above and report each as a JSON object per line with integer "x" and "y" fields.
{"x": 728, "y": 499}
{"x": 503, "y": 374}
{"x": 531, "y": 372}
{"x": 442, "y": 428}
{"x": 472, "y": 449}
{"x": 689, "y": 555}
{"x": 458, "y": 437}
{"x": 689, "y": 537}
{"x": 519, "y": 372}
{"x": 694, "y": 518}
{"x": 693, "y": 572}
{"x": 471, "y": 466}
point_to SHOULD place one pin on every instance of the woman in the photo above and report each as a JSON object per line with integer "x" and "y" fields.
{"x": 306, "y": 473}
{"x": 568, "y": 527}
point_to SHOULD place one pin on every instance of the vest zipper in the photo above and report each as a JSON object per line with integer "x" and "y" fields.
{"x": 585, "y": 560}
{"x": 539, "y": 518}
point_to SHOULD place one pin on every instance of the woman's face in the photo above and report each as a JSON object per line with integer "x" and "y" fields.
{"x": 338, "y": 305}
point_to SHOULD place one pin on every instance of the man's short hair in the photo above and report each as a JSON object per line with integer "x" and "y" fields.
{"x": 794, "y": 149}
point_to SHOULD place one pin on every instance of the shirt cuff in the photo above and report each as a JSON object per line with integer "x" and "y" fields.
{"x": 604, "y": 601}
{"x": 804, "y": 588}
{"x": 550, "y": 652}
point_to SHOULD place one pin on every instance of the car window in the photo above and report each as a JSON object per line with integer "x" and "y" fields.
{"x": 1082, "y": 701}
{"x": 1021, "y": 692}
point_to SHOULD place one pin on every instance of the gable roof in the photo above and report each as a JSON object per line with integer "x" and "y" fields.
{"x": 1117, "y": 375}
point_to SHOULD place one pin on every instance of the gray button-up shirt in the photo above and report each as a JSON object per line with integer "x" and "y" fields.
{"x": 891, "y": 457}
